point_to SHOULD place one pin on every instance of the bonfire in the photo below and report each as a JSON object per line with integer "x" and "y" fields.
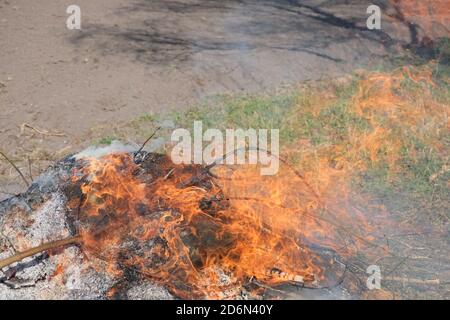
{"x": 189, "y": 228}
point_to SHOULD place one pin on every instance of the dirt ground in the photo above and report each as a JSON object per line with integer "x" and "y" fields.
{"x": 139, "y": 56}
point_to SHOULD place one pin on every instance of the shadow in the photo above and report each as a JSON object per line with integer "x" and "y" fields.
{"x": 163, "y": 32}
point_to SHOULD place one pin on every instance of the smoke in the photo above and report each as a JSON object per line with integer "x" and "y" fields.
{"x": 98, "y": 152}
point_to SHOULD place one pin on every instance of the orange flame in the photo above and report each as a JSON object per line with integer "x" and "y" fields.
{"x": 430, "y": 17}
{"x": 204, "y": 237}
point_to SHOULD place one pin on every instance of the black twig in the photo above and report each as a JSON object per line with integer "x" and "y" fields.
{"x": 221, "y": 159}
{"x": 16, "y": 168}
{"x": 148, "y": 139}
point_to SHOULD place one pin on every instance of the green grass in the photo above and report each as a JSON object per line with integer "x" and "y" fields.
{"x": 135, "y": 130}
{"x": 240, "y": 112}
{"x": 147, "y": 117}
{"x": 105, "y": 141}
{"x": 283, "y": 112}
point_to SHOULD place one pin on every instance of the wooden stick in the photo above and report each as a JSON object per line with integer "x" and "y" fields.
{"x": 15, "y": 167}
{"x": 40, "y": 131}
{"x": 44, "y": 247}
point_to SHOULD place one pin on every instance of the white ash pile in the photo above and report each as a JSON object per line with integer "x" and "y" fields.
{"x": 39, "y": 216}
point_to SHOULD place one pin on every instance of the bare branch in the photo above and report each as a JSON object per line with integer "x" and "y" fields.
{"x": 16, "y": 168}
{"x": 44, "y": 247}
{"x": 148, "y": 139}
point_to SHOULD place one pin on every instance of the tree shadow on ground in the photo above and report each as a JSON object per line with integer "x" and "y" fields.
{"x": 161, "y": 31}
